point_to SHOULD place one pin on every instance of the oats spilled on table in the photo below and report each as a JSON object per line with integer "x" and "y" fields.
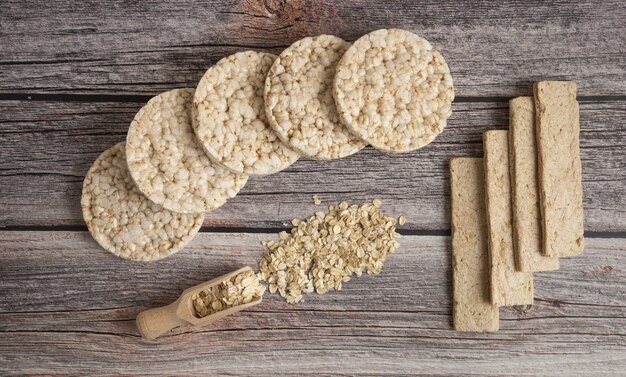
{"x": 240, "y": 289}
{"x": 325, "y": 251}
{"x": 402, "y": 220}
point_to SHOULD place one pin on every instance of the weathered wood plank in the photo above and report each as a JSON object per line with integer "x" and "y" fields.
{"x": 70, "y": 307}
{"x": 47, "y": 147}
{"x": 128, "y": 48}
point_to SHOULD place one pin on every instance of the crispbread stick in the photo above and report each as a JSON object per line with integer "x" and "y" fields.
{"x": 508, "y": 286}
{"x": 560, "y": 176}
{"x": 472, "y": 307}
{"x": 527, "y": 239}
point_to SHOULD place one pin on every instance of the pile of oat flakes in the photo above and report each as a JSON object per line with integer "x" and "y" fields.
{"x": 324, "y": 251}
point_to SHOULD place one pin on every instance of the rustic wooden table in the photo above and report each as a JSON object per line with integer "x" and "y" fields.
{"x": 73, "y": 74}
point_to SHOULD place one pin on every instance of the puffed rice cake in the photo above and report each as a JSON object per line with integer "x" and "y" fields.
{"x": 126, "y": 223}
{"x": 299, "y": 99}
{"x": 168, "y": 164}
{"x": 393, "y": 90}
{"x": 229, "y": 116}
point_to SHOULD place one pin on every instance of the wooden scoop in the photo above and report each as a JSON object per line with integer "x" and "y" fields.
{"x": 153, "y": 323}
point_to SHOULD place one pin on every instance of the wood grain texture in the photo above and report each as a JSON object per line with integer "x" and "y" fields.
{"x": 121, "y": 47}
{"x": 67, "y": 306}
{"x": 49, "y": 147}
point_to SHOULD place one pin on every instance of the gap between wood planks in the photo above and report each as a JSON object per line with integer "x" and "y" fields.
{"x": 221, "y": 229}
{"x": 66, "y": 97}
{"x": 112, "y": 98}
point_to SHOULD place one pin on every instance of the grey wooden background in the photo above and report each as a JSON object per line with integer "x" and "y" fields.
{"x": 72, "y": 76}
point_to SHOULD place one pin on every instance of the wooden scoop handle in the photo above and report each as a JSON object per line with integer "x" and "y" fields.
{"x": 152, "y": 323}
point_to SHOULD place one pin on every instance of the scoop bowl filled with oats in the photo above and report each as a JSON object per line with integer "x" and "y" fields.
{"x": 204, "y": 303}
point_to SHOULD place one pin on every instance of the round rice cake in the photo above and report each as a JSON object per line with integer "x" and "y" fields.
{"x": 168, "y": 164}
{"x": 299, "y": 99}
{"x": 229, "y": 116}
{"x": 126, "y": 223}
{"x": 393, "y": 90}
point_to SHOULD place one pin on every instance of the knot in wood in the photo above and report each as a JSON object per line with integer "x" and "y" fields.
{"x": 274, "y": 8}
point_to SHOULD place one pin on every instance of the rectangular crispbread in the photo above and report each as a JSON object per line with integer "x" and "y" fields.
{"x": 527, "y": 238}
{"x": 560, "y": 173}
{"x": 472, "y": 307}
{"x": 508, "y": 286}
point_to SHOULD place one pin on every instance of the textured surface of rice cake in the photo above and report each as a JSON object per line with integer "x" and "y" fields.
{"x": 508, "y": 286}
{"x": 168, "y": 164}
{"x": 229, "y": 116}
{"x": 299, "y": 99}
{"x": 527, "y": 239}
{"x": 126, "y": 223}
{"x": 560, "y": 172}
{"x": 393, "y": 90}
{"x": 472, "y": 307}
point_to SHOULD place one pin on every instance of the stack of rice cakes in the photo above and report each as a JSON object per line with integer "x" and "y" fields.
{"x": 190, "y": 150}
